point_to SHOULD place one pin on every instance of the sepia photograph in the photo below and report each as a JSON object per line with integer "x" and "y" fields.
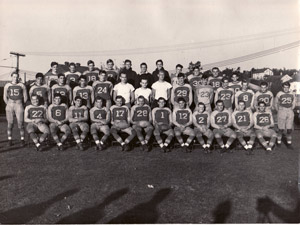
{"x": 149, "y": 111}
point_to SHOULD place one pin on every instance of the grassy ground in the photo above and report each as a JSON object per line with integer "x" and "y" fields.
{"x": 139, "y": 187}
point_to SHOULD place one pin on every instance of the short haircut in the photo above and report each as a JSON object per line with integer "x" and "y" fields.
{"x": 90, "y": 62}
{"x": 110, "y": 61}
{"x": 157, "y": 61}
{"x": 215, "y": 68}
{"x": 102, "y": 71}
{"x": 53, "y": 64}
{"x": 225, "y": 78}
{"x": 144, "y": 79}
{"x": 98, "y": 98}
{"x": 286, "y": 84}
{"x": 39, "y": 75}
{"x": 161, "y": 98}
{"x": 61, "y": 75}
{"x": 141, "y": 97}
{"x": 261, "y": 102}
{"x": 181, "y": 99}
{"x": 34, "y": 95}
{"x": 201, "y": 103}
{"x": 242, "y": 102}
{"x": 123, "y": 72}
{"x": 196, "y": 67}
{"x": 235, "y": 73}
{"x": 180, "y": 75}
{"x": 264, "y": 83}
{"x": 219, "y": 101}
{"x": 82, "y": 77}
{"x": 161, "y": 71}
{"x": 204, "y": 76}
{"x": 244, "y": 81}
{"x": 144, "y": 64}
{"x": 127, "y": 60}
{"x": 14, "y": 73}
{"x": 72, "y": 64}
{"x": 179, "y": 65}
{"x": 119, "y": 97}
{"x": 78, "y": 97}
{"x": 57, "y": 95}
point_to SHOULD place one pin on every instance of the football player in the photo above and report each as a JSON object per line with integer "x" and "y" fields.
{"x": 216, "y": 79}
{"x": 100, "y": 118}
{"x": 36, "y": 117}
{"x": 84, "y": 91}
{"x": 264, "y": 95}
{"x": 204, "y": 93}
{"x": 58, "y": 118}
{"x": 141, "y": 119}
{"x": 285, "y": 103}
{"x": 112, "y": 74}
{"x": 160, "y": 88}
{"x": 235, "y": 84}
{"x": 120, "y": 121}
{"x": 225, "y": 94}
{"x": 51, "y": 76}
{"x": 40, "y": 89}
{"x": 15, "y": 96}
{"x": 92, "y": 73}
{"x": 143, "y": 91}
{"x": 246, "y": 95}
{"x": 183, "y": 119}
{"x": 63, "y": 89}
{"x": 242, "y": 120}
{"x": 263, "y": 122}
{"x": 103, "y": 88}
{"x": 195, "y": 78}
{"x": 124, "y": 89}
{"x": 174, "y": 76}
{"x": 162, "y": 121}
{"x": 78, "y": 116}
{"x": 72, "y": 76}
{"x": 181, "y": 90}
{"x": 221, "y": 122}
{"x": 201, "y": 121}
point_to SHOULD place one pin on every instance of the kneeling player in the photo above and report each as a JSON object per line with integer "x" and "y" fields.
{"x": 201, "y": 121}
{"x": 263, "y": 121}
{"x": 100, "y": 117}
{"x": 183, "y": 119}
{"x": 121, "y": 123}
{"x": 58, "y": 118}
{"x": 141, "y": 118}
{"x": 162, "y": 121}
{"x": 242, "y": 120}
{"x": 36, "y": 117}
{"x": 78, "y": 117}
{"x": 221, "y": 122}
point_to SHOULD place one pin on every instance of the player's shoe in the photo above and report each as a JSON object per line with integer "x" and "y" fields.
{"x": 279, "y": 143}
{"x": 126, "y": 148}
{"x": 290, "y": 146}
{"x": 38, "y": 148}
{"x": 269, "y": 149}
{"x": 144, "y": 147}
{"x": 99, "y": 147}
{"x": 80, "y": 147}
{"x": 23, "y": 143}
{"x": 223, "y": 149}
{"x": 9, "y": 143}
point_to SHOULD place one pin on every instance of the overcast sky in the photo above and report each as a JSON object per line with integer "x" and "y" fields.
{"x": 101, "y": 25}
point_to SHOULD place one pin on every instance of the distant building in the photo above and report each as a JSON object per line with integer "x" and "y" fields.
{"x": 259, "y": 74}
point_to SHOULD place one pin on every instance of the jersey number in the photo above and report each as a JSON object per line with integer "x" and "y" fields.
{"x": 119, "y": 113}
{"x": 181, "y": 93}
{"x": 102, "y": 90}
{"x": 183, "y": 116}
{"x": 57, "y": 112}
{"x": 14, "y": 92}
{"x": 142, "y": 113}
{"x": 264, "y": 119}
{"x": 242, "y": 118}
{"x": 37, "y": 114}
{"x": 221, "y": 119}
{"x": 286, "y": 100}
{"x": 225, "y": 97}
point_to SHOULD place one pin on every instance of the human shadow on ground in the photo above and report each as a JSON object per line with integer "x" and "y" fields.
{"x": 6, "y": 177}
{"x": 25, "y": 214}
{"x": 222, "y": 212}
{"x": 265, "y": 206}
{"x": 93, "y": 214}
{"x": 145, "y": 212}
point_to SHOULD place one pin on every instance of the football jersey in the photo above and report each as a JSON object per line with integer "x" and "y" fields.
{"x": 91, "y": 75}
{"x": 119, "y": 113}
{"x": 162, "y": 115}
{"x": 141, "y": 113}
{"x": 182, "y": 116}
{"x": 201, "y": 118}
{"x": 226, "y": 95}
{"x": 194, "y": 81}
{"x": 246, "y": 96}
{"x": 41, "y": 91}
{"x": 63, "y": 90}
{"x": 263, "y": 119}
{"x": 237, "y": 86}
{"x": 77, "y": 113}
{"x": 215, "y": 82}
{"x": 285, "y": 100}
{"x": 15, "y": 91}
{"x": 266, "y": 97}
{"x": 221, "y": 118}
{"x": 98, "y": 114}
{"x": 182, "y": 92}
{"x": 102, "y": 89}
{"x": 58, "y": 112}
{"x": 112, "y": 76}
{"x": 72, "y": 78}
{"x": 83, "y": 92}
{"x": 36, "y": 112}
{"x": 242, "y": 118}
{"x": 204, "y": 93}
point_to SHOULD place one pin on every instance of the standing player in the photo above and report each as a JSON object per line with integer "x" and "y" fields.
{"x": 174, "y": 76}
{"x": 63, "y": 89}
{"x": 285, "y": 103}
{"x": 215, "y": 80}
{"x": 204, "y": 93}
{"x": 160, "y": 89}
{"x": 72, "y": 76}
{"x": 235, "y": 84}
{"x": 15, "y": 96}
{"x": 225, "y": 94}
{"x": 242, "y": 120}
{"x": 181, "y": 90}
{"x": 264, "y": 95}
{"x": 58, "y": 118}
{"x": 36, "y": 117}
{"x": 125, "y": 90}
{"x": 103, "y": 88}
{"x": 100, "y": 118}
{"x": 120, "y": 121}
{"x": 92, "y": 73}
{"x": 84, "y": 91}
{"x": 263, "y": 122}
{"x": 195, "y": 78}
{"x": 221, "y": 122}
{"x": 40, "y": 89}
{"x": 112, "y": 74}
{"x": 162, "y": 121}
{"x": 246, "y": 95}
{"x": 141, "y": 119}
{"x": 159, "y": 66}
{"x": 51, "y": 76}
{"x": 78, "y": 116}
{"x": 201, "y": 121}
{"x": 183, "y": 119}
{"x": 143, "y": 91}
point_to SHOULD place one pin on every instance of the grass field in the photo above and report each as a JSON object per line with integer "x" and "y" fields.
{"x": 139, "y": 187}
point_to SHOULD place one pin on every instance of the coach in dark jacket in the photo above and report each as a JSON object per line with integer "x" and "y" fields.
{"x": 131, "y": 74}
{"x": 144, "y": 74}
{"x": 159, "y": 66}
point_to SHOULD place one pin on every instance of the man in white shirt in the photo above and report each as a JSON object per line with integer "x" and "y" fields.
{"x": 125, "y": 90}
{"x": 160, "y": 89}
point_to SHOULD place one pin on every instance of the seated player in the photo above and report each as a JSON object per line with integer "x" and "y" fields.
{"x": 63, "y": 89}
{"x": 36, "y": 117}
{"x": 221, "y": 122}
{"x": 92, "y": 73}
{"x": 72, "y": 76}
{"x": 120, "y": 121}
{"x": 58, "y": 118}
{"x": 225, "y": 94}
{"x": 263, "y": 122}
{"x": 125, "y": 90}
{"x": 285, "y": 103}
{"x": 40, "y": 89}
{"x": 242, "y": 120}
{"x": 264, "y": 95}
{"x": 141, "y": 119}
{"x": 216, "y": 79}
{"x": 15, "y": 96}
{"x": 103, "y": 88}
{"x": 235, "y": 84}
{"x": 195, "y": 78}
{"x": 181, "y": 90}
{"x": 183, "y": 119}
{"x": 160, "y": 89}
{"x": 201, "y": 121}
{"x": 78, "y": 116}
{"x": 245, "y": 94}
{"x": 143, "y": 91}
{"x": 204, "y": 93}
{"x": 100, "y": 118}
{"x": 162, "y": 121}
{"x": 84, "y": 91}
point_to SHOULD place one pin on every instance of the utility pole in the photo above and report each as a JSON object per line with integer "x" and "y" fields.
{"x": 18, "y": 55}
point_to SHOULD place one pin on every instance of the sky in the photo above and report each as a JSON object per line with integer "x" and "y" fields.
{"x": 86, "y": 27}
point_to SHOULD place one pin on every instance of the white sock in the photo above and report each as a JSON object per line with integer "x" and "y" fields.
{"x": 123, "y": 143}
{"x": 22, "y": 138}
{"x": 227, "y": 146}
{"x": 37, "y": 144}
{"x": 165, "y": 144}
{"x": 182, "y": 145}
{"x": 161, "y": 145}
{"x": 59, "y": 144}
{"x": 186, "y": 144}
{"x": 97, "y": 142}
{"x": 78, "y": 141}
{"x": 101, "y": 142}
{"x": 9, "y": 138}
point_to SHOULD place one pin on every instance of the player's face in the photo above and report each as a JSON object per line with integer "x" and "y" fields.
{"x": 263, "y": 88}
{"x": 141, "y": 101}
{"x": 78, "y": 102}
{"x": 91, "y": 66}
{"x": 261, "y": 107}
{"x": 161, "y": 76}
{"x": 178, "y": 70}
{"x": 110, "y": 65}
{"x": 35, "y": 100}
{"x": 225, "y": 84}
{"x": 196, "y": 72}
{"x": 203, "y": 81}
{"x": 98, "y": 103}
{"x": 119, "y": 102}
{"x": 61, "y": 80}
{"x": 159, "y": 65}
{"x": 82, "y": 82}
{"x": 143, "y": 69}
{"x": 241, "y": 106}
{"x": 57, "y": 100}
{"x": 181, "y": 104}
{"x": 144, "y": 83}
{"x": 128, "y": 65}
{"x": 220, "y": 106}
{"x": 39, "y": 81}
{"x": 15, "y": 78}
{"x": 215, "y": 73}
{"x": 234, "y": 78}
{"x": 180, "y": 80}
{"x": 161, "y": 103}
{"x": 102, "y": 77}
{"x": 123, "y": 78}
{"x": 286, "y": 88}
{"x": 54, "y": 68}
{"x": 201, "y": 108}
{"x": 244, "y": 86}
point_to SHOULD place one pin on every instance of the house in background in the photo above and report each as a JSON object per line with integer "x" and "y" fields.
{"x": 259, "y": 74}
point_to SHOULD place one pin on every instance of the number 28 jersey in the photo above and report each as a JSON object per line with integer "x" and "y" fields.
{"x": 141, "y": 113}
